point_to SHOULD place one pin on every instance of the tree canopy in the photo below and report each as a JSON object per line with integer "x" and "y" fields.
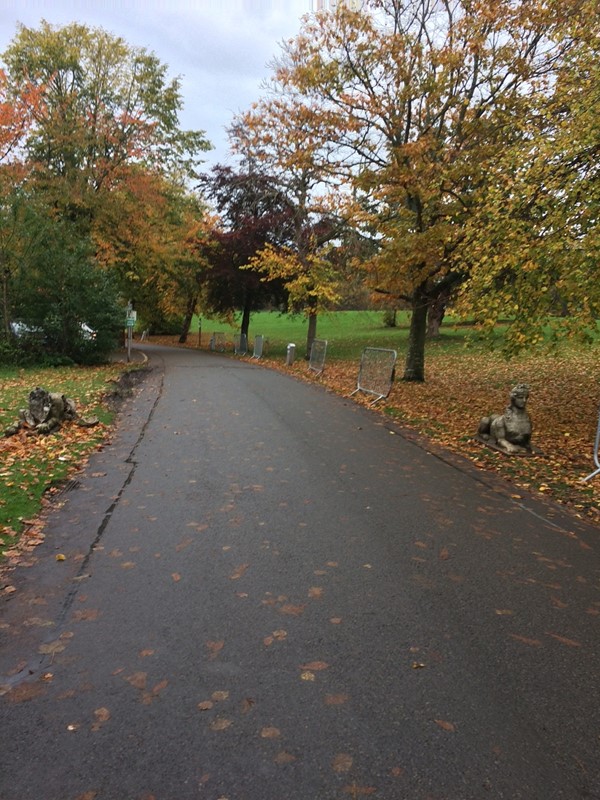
{"x": 409, "y": 105}
{"x": 92, "y": 149}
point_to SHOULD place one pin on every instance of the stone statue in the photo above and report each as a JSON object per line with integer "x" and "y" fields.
{"x": 46, "y": 412}
{"x": 511, "y": 431}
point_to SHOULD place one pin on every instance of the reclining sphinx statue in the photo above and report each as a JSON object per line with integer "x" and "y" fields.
{"x": 46, "y": 412}
{"x": 509, "y": 432}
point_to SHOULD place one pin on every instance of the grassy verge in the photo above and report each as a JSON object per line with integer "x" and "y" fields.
{"x": 33, "y": 465}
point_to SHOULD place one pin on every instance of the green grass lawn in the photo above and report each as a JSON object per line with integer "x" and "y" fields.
{"x": 30, "y": 465}
{"x": 347, "y": 332}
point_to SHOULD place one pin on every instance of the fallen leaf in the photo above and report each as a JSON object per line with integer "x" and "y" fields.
{"x": 446, "y": 726}
{"x": 146, "y": 653}
{"x": 176, "y": 576}
{"x": 205, "y": 705}
{"x": 315, "y": 666}
{"x": 294, "y": 611}
{"x": 24, "y": 692}
{"x": 315, "y": 592}
{"x": 284, "y": 758}
{"x": 102, "y": 715}
{"x": 219, "y": 697}
{"x": 396, "y": 772}
{"x": 247, "y": 705}
{"x": 220, "y": 724}
{"x": 138, "y": 680}
{"x": 60, "y": 557}
{"x": 336, "y": 620}
{"x": 525, "y": 640}
{"x": 215, "y": 648}
{"x": 239, "y": 572}
{"x": 86, "y": 615}
{"x": 270, "y": 733}
{"x": 308, "y": 676}
{"x": 564, "y": 640}
{"x": 342, "y": 762}
{"x": 444, "y": 554}
{"x": 336, "y": 699}
{"x": 355, "y": 790}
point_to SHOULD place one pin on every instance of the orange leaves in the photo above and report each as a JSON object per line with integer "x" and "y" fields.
{"x": 316, "y": 666}
{"x": 449, "y": 727}
{"x": 215, "y": 648}
{"x": 101, "y": 716}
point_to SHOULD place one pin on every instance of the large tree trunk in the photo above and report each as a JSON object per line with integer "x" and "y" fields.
{"x": 187, "y": 320}
{"x": 414, "y": 367}
{"x": 245, "y": 324}
{"x": 312, "y": 332}
{"x": 435, "y": 314}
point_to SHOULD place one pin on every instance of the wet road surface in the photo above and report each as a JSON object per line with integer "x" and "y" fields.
{"x": 271, "y": 593}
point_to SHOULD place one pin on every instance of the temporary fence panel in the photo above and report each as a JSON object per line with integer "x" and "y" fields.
{"x": 217, "y": 342}
{"x": 240, "y": 344}
{"x": 318, "y": 351}
{"x": 596, "y": 454}
{"x": 377, "y": 372}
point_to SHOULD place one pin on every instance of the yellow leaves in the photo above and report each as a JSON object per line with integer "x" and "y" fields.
{"x": 60, "y": 557}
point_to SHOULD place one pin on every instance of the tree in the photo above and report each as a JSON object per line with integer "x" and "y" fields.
{"x": 534, "y": 239}
{"x": 411, "y": 102}
{"x": 103, "y": 140}
{"x": 253, "y": 213}
{"x": 276, "y": 137}
{"x": 16, "y": 114}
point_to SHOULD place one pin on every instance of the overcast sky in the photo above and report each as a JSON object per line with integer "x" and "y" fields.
{"x": 219, "y": 48}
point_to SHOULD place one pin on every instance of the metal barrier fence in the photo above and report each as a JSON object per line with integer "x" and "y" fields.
{"x": 217, "y": 342}
{"x": 240, "y": 344}
{"x": 318, "y": 351}
{"x": 377, "y": 372}
{"x": 596, "y": 454}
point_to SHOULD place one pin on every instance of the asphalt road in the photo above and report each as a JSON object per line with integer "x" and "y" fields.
{"x": 271, "y": 593}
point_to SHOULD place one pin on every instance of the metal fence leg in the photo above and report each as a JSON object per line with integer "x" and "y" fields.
{"x": 596, "y": 458}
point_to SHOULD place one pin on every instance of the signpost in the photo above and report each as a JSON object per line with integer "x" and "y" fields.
{"x": 130, "y": 321}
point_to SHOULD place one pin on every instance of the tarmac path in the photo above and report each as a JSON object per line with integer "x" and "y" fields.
{"x": 272, "y": 593}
